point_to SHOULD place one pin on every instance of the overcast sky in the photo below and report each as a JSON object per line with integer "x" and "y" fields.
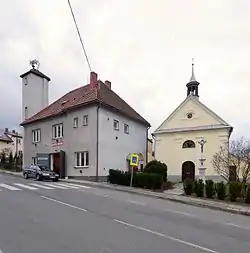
{"x": 143, "y": 47}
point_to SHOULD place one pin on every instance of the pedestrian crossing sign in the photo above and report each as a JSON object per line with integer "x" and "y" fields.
{"x": 134, "y": 160}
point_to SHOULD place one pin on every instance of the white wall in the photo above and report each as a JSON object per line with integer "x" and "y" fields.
{"x": 114, "y": 151}
{"x": 168, "y": 149}
{"x": 35, "y": 95}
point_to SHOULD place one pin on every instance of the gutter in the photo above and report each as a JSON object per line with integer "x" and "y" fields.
{"x": 97, "y": 141}
{"x": 147, "y": 145}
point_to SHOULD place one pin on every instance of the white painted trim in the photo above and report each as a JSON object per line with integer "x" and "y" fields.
{"x": 188, "y": 129}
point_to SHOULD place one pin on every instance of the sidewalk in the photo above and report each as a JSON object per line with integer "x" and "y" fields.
{"x": 212, "y": 204}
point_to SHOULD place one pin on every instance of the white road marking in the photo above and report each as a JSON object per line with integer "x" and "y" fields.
{"x": 179, "y": 212}
{"x": 79, "y": 185}
{"x": 42, "y": 186}
{"x": 237, "y": 226}
{"x": 65, "y": 204}
{"x": 9, "y": 187}
{"x": 26, "y": 186}
{"x": 55, "y": 186}
{"x": 167, "y": 237}
{"x": 136, "y": 202}
{"x": 67, "y": 185}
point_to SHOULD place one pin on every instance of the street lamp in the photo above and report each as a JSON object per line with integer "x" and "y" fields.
{"x": 202, "y": 167}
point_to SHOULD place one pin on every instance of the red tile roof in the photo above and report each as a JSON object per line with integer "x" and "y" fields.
{"x": 86, "y": 95}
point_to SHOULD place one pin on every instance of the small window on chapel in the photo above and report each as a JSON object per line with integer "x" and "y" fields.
{"x": 188, "y": 144}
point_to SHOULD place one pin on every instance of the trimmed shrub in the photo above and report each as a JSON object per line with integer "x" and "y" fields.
{"x": 157, "y": 167}
{"x": 247, "y": 198}
{"x": 195, "y": 187}
{"x": 234, "y": 190}
{"x": 200, "y": 189}
{"x": 210, "y": 189}
{"x": 140, "y": 179}
{"x": 220, "y": 189}
{"x": 188, "y": 186}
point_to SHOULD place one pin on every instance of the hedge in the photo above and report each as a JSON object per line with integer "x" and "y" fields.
{"x": 140, "y": 179}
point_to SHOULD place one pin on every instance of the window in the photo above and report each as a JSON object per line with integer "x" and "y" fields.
{"x": 189, "y": 115}
{"x": 82, "y": 159}
{"x": 25, "y": 81}
{"x": 126, "y": 128}
{"x": 116, "y": 124}
{"x": 75, "y": 122}
{"x": 36, "y": 135}
{"x": 57, "y": 131}
{"x": 25, "y": 112}
{"x": 188, "y": 144}
{"x": 85, "y": 120}
{"x": 19, "y": 141}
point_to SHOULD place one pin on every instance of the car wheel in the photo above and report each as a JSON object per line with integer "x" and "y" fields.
{"x": 26, "y": 176}
{"x": 55, "y": 180}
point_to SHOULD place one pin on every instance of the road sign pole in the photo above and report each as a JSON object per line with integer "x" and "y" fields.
{"x": 131, "y": 177}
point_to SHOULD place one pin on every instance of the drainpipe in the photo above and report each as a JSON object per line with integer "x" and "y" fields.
{"x": 97, "y": 142}
{"x": 147, "y": 146}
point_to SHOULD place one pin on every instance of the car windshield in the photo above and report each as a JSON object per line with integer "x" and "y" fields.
{"x": 44, "y": 168}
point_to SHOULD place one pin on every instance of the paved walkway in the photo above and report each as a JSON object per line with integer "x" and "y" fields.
{"x": 172, "y": 195}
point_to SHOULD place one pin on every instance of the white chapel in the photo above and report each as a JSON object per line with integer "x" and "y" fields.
{"x": 178, "y": 138}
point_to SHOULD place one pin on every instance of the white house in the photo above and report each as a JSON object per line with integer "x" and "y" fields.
{"x": 84, "y": 133}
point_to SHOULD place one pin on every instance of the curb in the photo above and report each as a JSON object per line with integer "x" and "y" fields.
{"x": 188, "y": 200}
{"x": 11, "y": 173}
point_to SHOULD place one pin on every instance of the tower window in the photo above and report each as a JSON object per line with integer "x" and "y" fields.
{"x": 190, "y": 115}
{"x": 25, "y": 81}
{"x": 188, "y": 144}
{"x": 25, "y": 112}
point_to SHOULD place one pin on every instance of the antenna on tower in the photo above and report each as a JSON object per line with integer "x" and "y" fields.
{"x": 35, "y": 64}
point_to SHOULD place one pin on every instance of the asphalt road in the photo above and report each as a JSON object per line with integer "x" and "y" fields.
{"x": 93, "y": 220}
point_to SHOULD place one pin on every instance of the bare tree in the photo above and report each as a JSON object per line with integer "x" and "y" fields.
{"x": 233, "y": 160}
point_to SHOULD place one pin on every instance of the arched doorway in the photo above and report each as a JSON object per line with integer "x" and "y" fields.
{"x": 188, "y": 170}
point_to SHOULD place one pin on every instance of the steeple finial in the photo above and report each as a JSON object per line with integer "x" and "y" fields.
{"x": 192, "y": 79}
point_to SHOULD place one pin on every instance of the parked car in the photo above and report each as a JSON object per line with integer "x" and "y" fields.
{"x": 39, "y": 172}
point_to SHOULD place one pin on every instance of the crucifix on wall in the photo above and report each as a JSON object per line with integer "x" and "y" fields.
{"x": 202, "y": 142}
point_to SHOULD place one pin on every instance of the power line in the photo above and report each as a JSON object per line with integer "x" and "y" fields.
{"x": 79, "y": 35}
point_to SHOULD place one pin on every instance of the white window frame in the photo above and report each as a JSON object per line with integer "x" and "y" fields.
{"x": 76, "y": 122}
{"x": 85, "y": 120}
{"x": 81, "y": 159}
{"x": 36, "y": 135}
{"x": 126, "y": 128}
{"x": 57, "y": 131}
{"x": 116, "y": 125}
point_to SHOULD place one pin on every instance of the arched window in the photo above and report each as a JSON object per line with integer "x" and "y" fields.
{"x": 188, "y": 144}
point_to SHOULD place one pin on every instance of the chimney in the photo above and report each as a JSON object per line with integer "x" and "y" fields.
{"x": 108, "y": 84}
{"x": 93, "y": 80}
{"x": 6, "y": 130}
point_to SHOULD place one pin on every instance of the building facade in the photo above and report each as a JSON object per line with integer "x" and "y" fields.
{"x": 177, "y": 138}
{"x": 85, "y": 133}
{"x": 11, "y": 141}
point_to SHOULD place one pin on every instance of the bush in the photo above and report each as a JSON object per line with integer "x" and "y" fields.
{"x": 195, "y": 187}
{"x": 209, "y": 189}
{"x": 247, "y": 198}
{"x": 157, "y": 167}
{"x": 200, "y": 188}
{"x": 140, "y": 179}
{"x": 220, "y": 189}
{"x": 188, "y": 186}
{"x": 234, "y": 190}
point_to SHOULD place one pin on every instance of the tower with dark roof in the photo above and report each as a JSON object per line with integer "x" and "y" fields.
{"x": 35, "y": 91}
{"x": 193, "y": 85}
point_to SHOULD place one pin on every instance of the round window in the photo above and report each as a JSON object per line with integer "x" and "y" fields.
{"x": 189, "y": 115}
